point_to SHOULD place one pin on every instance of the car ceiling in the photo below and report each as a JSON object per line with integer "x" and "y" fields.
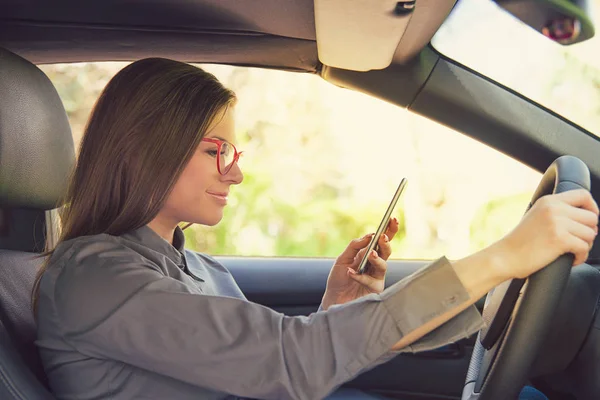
{"x": 254, "y": 32}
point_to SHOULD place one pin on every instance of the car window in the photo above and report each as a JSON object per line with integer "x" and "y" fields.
{"x": 565, "y": 79}
{"x": 321, "y": 164}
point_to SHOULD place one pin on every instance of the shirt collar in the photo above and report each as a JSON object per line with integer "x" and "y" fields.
{"x": 147, "y": 237}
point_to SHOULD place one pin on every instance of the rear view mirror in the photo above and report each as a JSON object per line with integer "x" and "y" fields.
{"x": 564, "y": 21}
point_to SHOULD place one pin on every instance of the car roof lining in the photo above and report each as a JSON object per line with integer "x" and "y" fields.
{"x": 218, "y": 31}
{"x": 65, "y": 43}
{"x": 290, "y": 18}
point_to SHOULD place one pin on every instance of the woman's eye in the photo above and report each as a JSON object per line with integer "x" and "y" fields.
{"x": 225, "y": 149}
{"x": 212, "y": 153}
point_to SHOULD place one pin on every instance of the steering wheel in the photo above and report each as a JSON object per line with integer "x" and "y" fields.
{"x": 518, "y": 313}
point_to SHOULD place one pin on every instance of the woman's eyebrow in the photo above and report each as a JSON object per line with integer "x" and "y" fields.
{"x": 217, "y": 137}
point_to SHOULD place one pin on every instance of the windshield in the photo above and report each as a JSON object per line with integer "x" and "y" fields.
{"x": 565, "y": 79}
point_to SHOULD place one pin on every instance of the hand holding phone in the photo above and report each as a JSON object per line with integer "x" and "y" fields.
{"x": 362, "y": 267}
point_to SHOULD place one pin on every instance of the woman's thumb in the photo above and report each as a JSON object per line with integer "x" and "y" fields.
{"x": 363, "y": 279}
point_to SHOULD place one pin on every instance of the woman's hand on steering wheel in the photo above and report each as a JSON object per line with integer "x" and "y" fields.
{"x": 555, "y": 225}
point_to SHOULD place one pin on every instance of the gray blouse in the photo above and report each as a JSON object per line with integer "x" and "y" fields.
{"x": 134, "y": 317}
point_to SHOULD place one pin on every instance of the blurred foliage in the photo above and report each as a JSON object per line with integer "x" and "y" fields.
{"x": 79, "y": 86}
{"x": 495, "y": 218}
{"x": 261, "y": 226}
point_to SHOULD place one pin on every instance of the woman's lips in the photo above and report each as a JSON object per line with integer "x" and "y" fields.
{"x": 220, "y": 197}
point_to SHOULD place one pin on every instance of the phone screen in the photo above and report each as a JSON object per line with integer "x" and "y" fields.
{"x": 362, "y": 267}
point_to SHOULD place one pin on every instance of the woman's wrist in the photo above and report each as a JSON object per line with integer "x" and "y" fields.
{"x": 484, "y": 270}
{"x": 500, "y": 258}
{"x": 327, "y": 301}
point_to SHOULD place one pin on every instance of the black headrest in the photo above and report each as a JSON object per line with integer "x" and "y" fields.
{"x": 36, "y": 145}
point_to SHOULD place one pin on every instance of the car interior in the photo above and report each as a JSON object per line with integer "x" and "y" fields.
{"x": 543, "y": 331}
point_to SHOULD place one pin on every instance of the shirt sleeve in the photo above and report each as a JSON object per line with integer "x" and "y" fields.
{"x": 118, "y": 309}
{"x": 437, "y": 275}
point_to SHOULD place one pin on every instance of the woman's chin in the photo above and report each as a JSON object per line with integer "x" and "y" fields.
{"x": 210, "y": 221}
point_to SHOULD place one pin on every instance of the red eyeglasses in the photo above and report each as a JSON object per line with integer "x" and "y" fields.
{"x": 227, "y": 155}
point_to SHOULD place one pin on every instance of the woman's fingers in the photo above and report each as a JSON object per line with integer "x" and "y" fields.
{"x": 350, "y": 253}
{"x": 364, "y": 279}
{"x": 385, "y": 248}
{"x": 377, "y": 267}
{"x": 392, "y": 228}
{"x": 580, "y": 219}
{"x": 582, "y": 216}
{"x": 555, "y": 225}
{"x": 375, "y": 272}
{"x": 580, "y": 240}
{"x": 580, "y": 249}
{"x": 583, "y": 232}
{"x": 579, "y": 198}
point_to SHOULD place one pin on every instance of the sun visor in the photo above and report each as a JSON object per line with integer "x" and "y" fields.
{"x": 363, "y": 35}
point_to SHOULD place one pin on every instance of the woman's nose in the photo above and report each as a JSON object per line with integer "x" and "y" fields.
{"x": 235, "y": 175}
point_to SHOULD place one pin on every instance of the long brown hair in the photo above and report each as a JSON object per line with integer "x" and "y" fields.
{"x": 143, "y": 130}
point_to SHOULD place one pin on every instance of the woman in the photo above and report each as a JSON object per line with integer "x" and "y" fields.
{"x": 124, "y": 311}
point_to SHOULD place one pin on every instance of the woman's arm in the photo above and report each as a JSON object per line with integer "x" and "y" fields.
{"x": 555, "y": 225}
{"x": 478, "y": 273}
{"x": 110, "y": 303}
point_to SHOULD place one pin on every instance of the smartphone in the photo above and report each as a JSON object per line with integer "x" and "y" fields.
{"x": 364, "y": 263}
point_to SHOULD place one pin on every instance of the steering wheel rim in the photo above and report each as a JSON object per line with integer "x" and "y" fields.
{"x": 501, "y": 370}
